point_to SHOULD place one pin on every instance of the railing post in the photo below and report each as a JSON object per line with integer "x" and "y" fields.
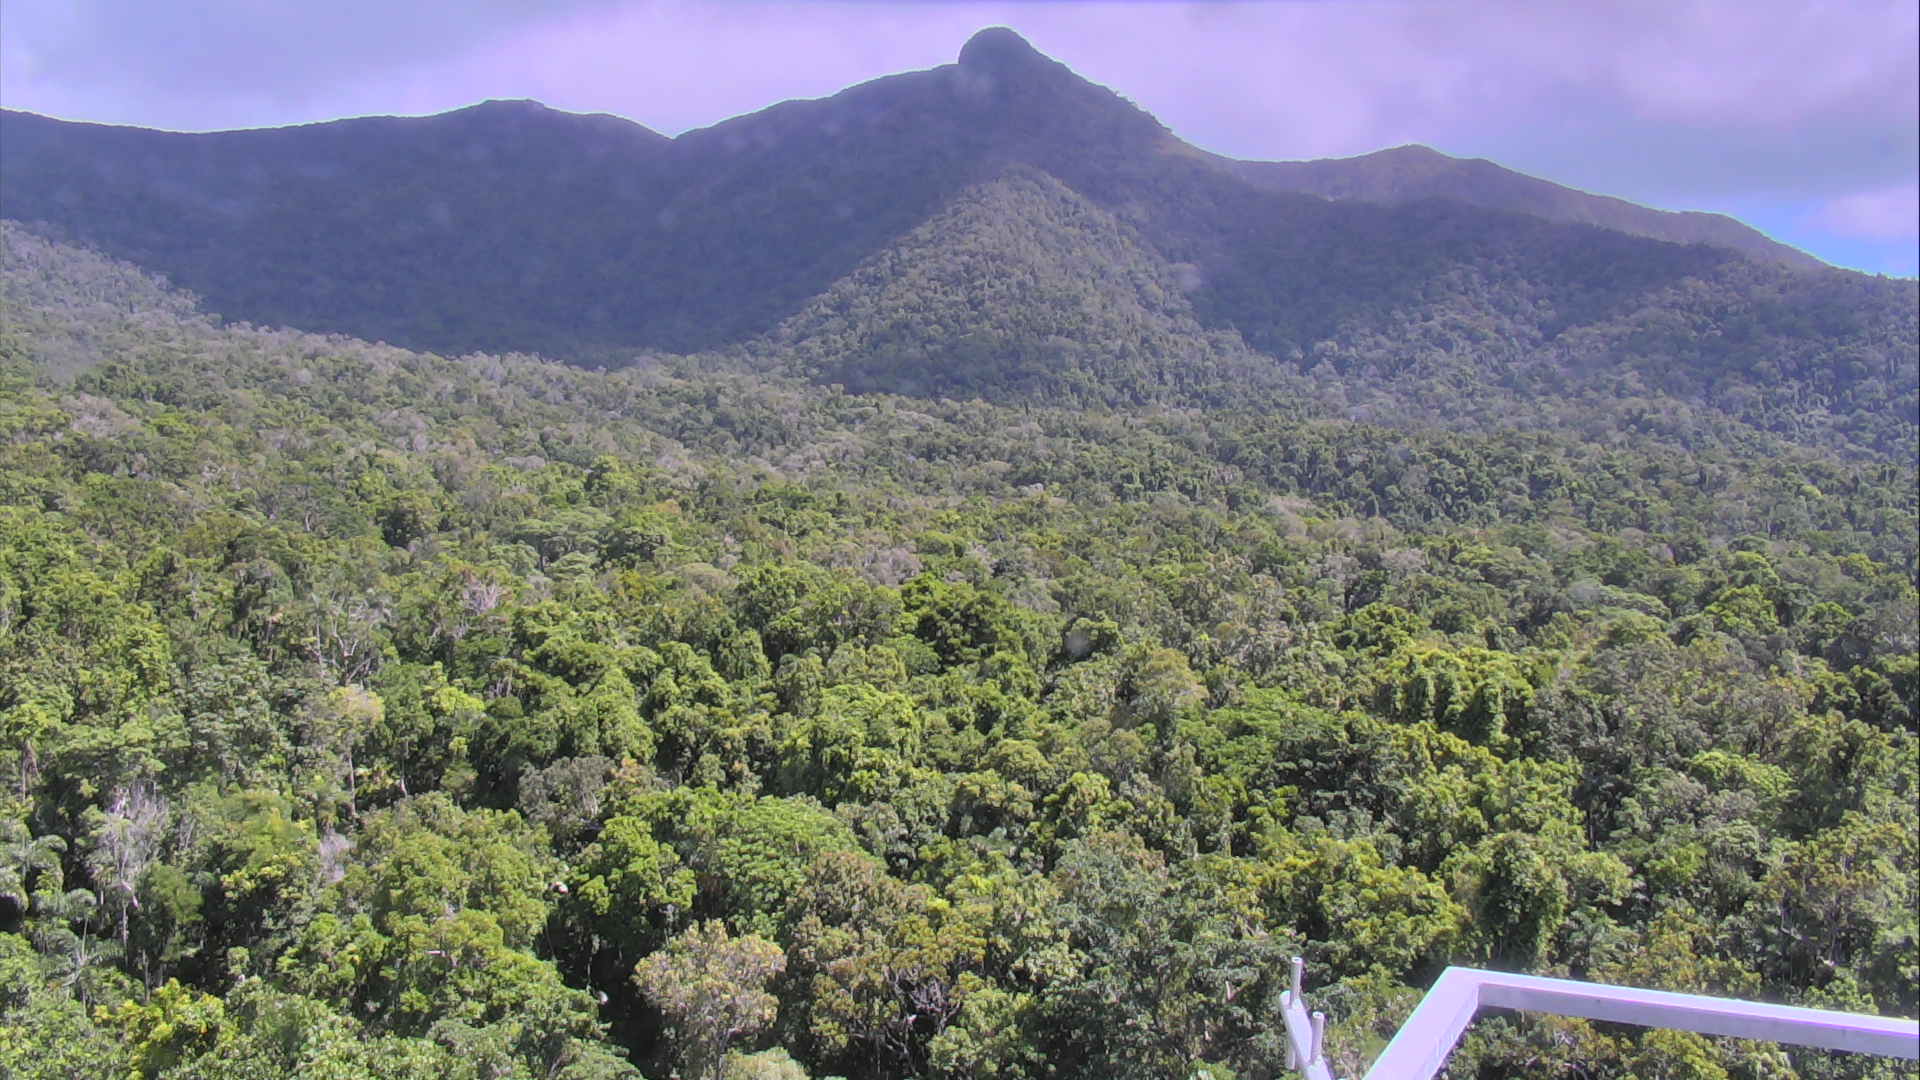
{"x": 1306, "y": 1032}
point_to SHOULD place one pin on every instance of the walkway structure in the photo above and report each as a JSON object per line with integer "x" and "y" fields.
{"x": 1421, "y": 1047}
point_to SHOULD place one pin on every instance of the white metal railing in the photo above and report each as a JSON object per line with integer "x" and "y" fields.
{"x": 1422, "y": 1044}
{"x": 1306, "y": 1033}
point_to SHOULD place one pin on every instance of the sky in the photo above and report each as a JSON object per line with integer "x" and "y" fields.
{"x": 1799, "y": 118}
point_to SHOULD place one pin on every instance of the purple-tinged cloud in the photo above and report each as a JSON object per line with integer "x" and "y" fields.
{"x": 1889, "y": 213}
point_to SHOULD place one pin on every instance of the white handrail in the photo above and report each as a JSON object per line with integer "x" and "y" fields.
{"x": 1424, "y": 1042}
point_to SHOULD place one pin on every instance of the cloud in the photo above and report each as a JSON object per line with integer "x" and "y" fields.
{"x": 1671, "y": 101}
{"x": 675, "y": 66}
{"x": 1888, "y": 213}
{"x": 209, "y": 63}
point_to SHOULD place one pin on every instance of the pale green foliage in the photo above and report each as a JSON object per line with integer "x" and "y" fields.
{"x": 712, "y": 987}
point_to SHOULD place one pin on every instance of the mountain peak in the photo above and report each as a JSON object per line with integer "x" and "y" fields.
{"x": 504, "y": 105}
{"x": 1028, "y": 91}
{"x": 998, "y": 48}
{"x": 1412, "y": 152}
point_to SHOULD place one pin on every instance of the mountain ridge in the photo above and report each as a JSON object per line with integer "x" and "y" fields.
{"x": 670, "y": 219}
{"x": 1407, "y": 173}
{"x": 508, "y": 226}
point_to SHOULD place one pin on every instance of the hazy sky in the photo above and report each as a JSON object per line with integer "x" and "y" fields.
{"x": 1799, "y": 118}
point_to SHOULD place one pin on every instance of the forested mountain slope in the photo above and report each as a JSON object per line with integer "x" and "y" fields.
{"x": 784, "y": 235}
{"x": 1411, "y": 173}
{"x": 366, "y": 713}
{"x": 1020, "y": 289}
{"x": 435, "y": 230}
{"x": 1446, "y": 321}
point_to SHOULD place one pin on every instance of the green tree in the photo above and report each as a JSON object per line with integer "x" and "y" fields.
{"x": 24, "y": 858}
{"x": 712, "y": 987}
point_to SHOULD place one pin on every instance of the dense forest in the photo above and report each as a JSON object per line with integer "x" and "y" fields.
{"x": 373, "y": 713}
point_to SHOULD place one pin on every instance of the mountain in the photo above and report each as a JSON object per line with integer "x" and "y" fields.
{"x": 438, "y": 230}
{"x": 1019, "y": 287}
{"x": 511, "y": 225}
{"x": 1407, "y": 174}
{"x": 997, "y": 227}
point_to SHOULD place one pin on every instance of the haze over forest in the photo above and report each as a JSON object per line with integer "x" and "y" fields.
{"x": 946, "y": 579}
